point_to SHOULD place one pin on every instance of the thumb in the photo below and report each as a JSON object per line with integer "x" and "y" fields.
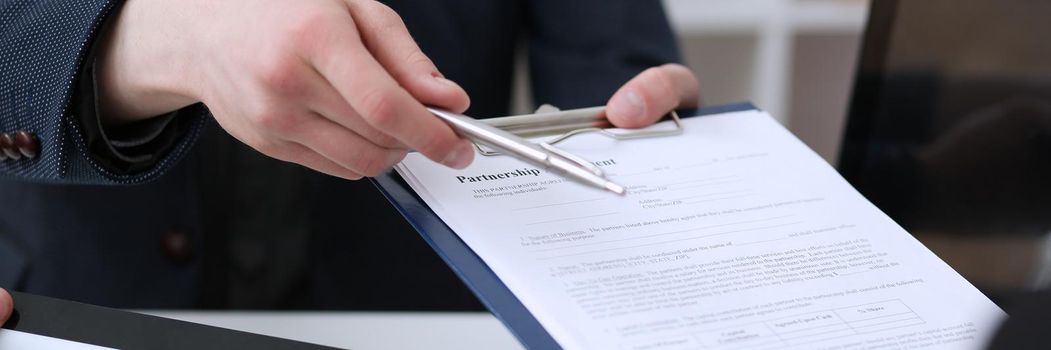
{"x": 652, "y": 94}
{"x": 6, "y": 306}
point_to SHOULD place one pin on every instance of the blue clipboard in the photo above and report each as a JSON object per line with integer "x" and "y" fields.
{"x": 474, "y": 272}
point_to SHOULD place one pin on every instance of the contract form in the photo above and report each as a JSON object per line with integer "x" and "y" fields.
{"x": 733, "y": 235}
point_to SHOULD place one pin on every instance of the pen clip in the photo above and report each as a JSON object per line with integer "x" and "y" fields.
{"x": 583, "y": 163}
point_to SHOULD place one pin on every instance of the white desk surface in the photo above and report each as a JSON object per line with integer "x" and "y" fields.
{"x": 365, "y": 330}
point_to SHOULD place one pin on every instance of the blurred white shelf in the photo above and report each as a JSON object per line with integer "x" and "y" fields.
{"x": 773, "y": 26}
{"x": 831, "y": 16}
{"x": 714, "y": 17}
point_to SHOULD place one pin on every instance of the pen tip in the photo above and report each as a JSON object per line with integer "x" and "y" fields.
{"x": 615, "y": 188}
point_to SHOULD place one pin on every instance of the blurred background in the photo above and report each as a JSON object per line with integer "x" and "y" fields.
{"x": 793, "y": 58}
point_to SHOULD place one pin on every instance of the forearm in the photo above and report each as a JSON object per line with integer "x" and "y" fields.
{"x": 141, "y": 66}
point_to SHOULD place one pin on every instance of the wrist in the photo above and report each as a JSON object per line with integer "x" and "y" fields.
{"x": 139, "y": 66}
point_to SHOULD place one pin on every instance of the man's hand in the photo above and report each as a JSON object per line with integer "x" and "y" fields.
{"x": 335, "y": 85}
{"x": 6, "y": 306}
{"x": 652, "y": 94}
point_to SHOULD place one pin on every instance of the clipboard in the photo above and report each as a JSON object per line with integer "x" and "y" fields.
{"x": 467, "y": 265}
{"x": 118, "y": 329}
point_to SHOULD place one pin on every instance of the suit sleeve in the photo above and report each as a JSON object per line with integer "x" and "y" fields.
{"x": 43, "y": 50}
{"x": 582, "y": 51}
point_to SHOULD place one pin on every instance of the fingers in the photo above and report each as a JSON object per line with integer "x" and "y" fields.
{"x": 651, "y": 94}
{"x": 320, "y": 144}
{"x": 346, "y": 148}
{"x": 6, "y": 306}
{"x": 365, "y": 84}
{"x": 313, "y": 160}
{"x": 385, "y": 36}
{"x": 326, "y": 101}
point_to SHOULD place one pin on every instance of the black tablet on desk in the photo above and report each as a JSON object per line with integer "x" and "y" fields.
{"x": 111, "y": 328}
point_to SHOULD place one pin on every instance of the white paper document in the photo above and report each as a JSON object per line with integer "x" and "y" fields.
{"x": 733, "y": 235}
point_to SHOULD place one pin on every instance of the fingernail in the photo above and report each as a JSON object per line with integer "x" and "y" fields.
{"x": 457, "y": 99}
{"x": 631, "y": 106}
{"x": 447, "y": 82}
{"x": 461, "y": 156}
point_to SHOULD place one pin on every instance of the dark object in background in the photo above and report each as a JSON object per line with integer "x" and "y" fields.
{"x": 1027, "y": 328}
{"x": 949, "y": 131}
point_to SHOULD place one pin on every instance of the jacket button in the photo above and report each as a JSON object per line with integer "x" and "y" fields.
{"x": 27, "y": 144}
{"x": 7, "y": 145}
{"x": 176, "y": 246}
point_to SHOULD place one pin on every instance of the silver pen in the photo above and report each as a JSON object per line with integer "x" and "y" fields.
{"x": 539, "y": 154}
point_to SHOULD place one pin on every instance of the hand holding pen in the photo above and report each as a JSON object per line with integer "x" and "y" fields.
{"x": 340, "y": 86}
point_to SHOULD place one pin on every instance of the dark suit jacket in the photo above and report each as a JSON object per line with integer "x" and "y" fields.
{"x": 305, "y": 240}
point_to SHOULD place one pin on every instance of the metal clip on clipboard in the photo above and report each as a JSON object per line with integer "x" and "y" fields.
{"x": 550, "y": 121}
